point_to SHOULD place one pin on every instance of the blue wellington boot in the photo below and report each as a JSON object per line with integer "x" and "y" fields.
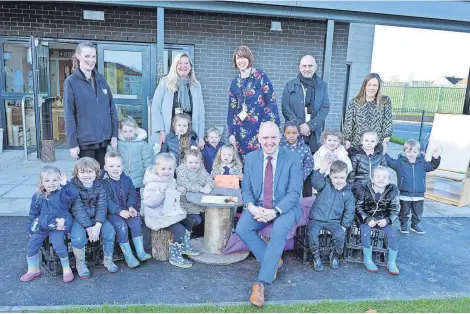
{"x": 368, "y": 263}
{"x": 391, "y": 265}
{"x": 131, "y": 261}
{"x": 139, "y": 249}
{"x": 108, "y": 249}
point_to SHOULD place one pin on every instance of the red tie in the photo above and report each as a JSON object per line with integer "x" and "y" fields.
{"x": 268, "y": 185}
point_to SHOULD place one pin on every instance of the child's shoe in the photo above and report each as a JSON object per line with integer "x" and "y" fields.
{"x": 139, "y": 249}
{"x": 187, "y": 249}
{"x": 334, "y": 258}
{"x": 108, "y": 249}
{"x": 368, "y": 263}
{"x": 82, "y": 269}
{"x": 404, "y": 227}
{"x": 317, "y": 264}
{"x": 67, "y": 274}
{"x": 417, "y": 229}
{"x": 33, "y": 269}
{"x": 176, "y": 257}
{"x": 391, "y": 265}
{"x": 131, "y": 261}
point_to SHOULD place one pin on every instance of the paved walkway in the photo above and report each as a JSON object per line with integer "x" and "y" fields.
{"x": 431, "y": 266}
{"x": 18, "y": 180}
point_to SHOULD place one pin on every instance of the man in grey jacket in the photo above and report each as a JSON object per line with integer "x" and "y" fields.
{"x": 305, "y": 101}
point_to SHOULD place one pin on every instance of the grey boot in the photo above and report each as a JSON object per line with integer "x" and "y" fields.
{"x": 82, "y": 269}
{"x": 176, "y": 257}
{"x": 187, "y": 249}
{"x": 108, "y": 249}
{"x": 139, "y": 249}
{"x": 131, "y": 261}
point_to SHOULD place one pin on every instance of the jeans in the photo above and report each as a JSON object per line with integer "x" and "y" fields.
{"x": 415, "y": 207}
{"x": 179, "y": 229}
{"x": 122, "y": 225}
{"x": 80, "y": 237}
{"x": 336, "y": 230}
{"x": 389, "y": 231}
{"x": 55, "y": 237}
{"x": 268, "y": 254}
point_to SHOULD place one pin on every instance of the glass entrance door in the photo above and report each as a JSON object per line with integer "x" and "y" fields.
{"x": 126, "y": 68}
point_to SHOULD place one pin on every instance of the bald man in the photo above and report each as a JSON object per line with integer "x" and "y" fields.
{"x": 272, "y": 181}
{"x": 305, "y": 101}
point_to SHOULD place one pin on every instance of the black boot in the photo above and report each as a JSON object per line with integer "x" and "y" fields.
{"x": 334, "y": 258}
{"x": 317, "y": 264}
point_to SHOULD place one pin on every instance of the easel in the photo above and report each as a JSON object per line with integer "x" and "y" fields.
{"x": 450, "y": 183}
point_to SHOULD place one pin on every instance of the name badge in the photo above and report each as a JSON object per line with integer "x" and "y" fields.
{"x": 243, "y": 114}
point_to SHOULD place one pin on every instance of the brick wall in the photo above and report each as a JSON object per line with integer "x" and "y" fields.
{"x": 214, "y": 37}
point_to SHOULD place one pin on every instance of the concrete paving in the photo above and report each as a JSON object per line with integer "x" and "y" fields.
{"x": 431, "y": 266}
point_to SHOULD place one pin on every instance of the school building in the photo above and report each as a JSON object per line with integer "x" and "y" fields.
{"x": 136, "y": 41}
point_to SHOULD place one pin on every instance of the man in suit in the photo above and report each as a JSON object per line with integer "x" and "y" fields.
{"x": 271, "y": 188}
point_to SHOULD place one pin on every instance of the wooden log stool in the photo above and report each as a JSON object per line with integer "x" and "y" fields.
{"x": 160, "y": 240}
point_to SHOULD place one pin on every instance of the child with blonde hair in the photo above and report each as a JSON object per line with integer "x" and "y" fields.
{"x": 181, "y": 137}
{"x": 163, "y": 211}
{"x": 135, "y": 152}
{"x": 89, "y": 215}
{"x": 227, "y": 162}
{"x": 49, "y": 216}
{"x": 211, "y": 147}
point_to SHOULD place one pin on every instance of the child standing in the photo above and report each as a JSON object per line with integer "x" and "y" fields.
{"x": 135, "y": 152}
{"x": 365, "y": 158}
{"x": 159, "y": 183}
{"x": 227, "y": 162}
{"x": 292, "y": 142}
{"x": 211, "y": 147}
{"x": 49, "y": 216}
{"x": 332, "y": 149}
{"x": 411, "y": 172}
{"x": 181, "y": 137}
{"x": 122, "y": 212}
{"x": 377, "y": 206}
{"x": 89, "y": 213}
{"x": 333, "y": 209}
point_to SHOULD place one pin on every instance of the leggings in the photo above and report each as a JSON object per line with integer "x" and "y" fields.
{"x": 179, "y": 229}
{"x": 389, "y": 231}
{"x": 98, "y": 154}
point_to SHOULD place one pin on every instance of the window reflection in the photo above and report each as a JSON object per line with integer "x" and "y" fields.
{"x": 123, "y": 72}
{"x": 18, "y": 69}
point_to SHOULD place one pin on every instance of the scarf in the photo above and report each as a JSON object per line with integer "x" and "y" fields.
{"x": 183, "y": 93}
{"x": 309, "y": 83}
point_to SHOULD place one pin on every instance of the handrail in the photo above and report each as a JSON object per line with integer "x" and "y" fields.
{"x": 23, "y": 117}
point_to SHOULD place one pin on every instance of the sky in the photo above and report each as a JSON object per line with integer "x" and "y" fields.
{"x": 419, "y": 54}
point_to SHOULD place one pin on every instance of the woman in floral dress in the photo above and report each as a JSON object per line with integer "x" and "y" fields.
{"x": 251, "y": 102}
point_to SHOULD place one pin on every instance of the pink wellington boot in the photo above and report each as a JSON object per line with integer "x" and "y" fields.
{"x": 67, "y": 274}
{"x": 33, "y": 269}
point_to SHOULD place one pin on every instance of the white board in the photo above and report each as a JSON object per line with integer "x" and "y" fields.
{"x": 451, "y": 133}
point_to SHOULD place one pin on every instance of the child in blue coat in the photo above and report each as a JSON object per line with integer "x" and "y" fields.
{"x": 49, "y": 216}
{"x": 211, "y": 147}
{"x": 181, "y": 137}
{"x": 122, "y": 212}
{"x": 411, "y": 168}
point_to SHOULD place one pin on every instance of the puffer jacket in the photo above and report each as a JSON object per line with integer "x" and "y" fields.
{"x": 368, "y": 208}
{"x": 331, "y": 205}
{"x": 153, "y": 200}
{"x": 172, "y": 145}
{"x": 362, "y": 164}
{"x": 92, "y": 204}
{"x": 192, "y": 181}
{"x": 339, "y": 153}
{"x": 136, "y": 156}
{"x": 44, "y": 211}
{"x": 129, "y": 194}
{"x": 411, "y": 178}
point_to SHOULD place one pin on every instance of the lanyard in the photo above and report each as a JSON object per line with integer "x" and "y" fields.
{"x": 242, "y": 91}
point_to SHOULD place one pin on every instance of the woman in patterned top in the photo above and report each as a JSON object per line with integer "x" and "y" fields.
{"x": 369, "y": 110}
{"x": 251, "y": 101}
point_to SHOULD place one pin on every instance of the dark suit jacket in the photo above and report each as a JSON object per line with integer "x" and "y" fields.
{"x": 288, "y": 180}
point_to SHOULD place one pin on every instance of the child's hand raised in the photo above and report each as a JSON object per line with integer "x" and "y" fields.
{"x": 436, "y": 153}
{"x": 385, "y": 147}
{"x": 125, "y": 214}
{"x": 325, "y": 164}
{"x": 62, "y": 178}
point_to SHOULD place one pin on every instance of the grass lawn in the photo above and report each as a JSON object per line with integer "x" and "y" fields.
{"x": 453, "y": 305}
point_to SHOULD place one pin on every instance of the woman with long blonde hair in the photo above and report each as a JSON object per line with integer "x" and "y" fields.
{"x": 369, "y": 110}
{"x": 178, "y": 92}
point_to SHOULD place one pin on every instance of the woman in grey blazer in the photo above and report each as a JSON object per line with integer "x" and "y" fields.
{"x": 177, "y": 92}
